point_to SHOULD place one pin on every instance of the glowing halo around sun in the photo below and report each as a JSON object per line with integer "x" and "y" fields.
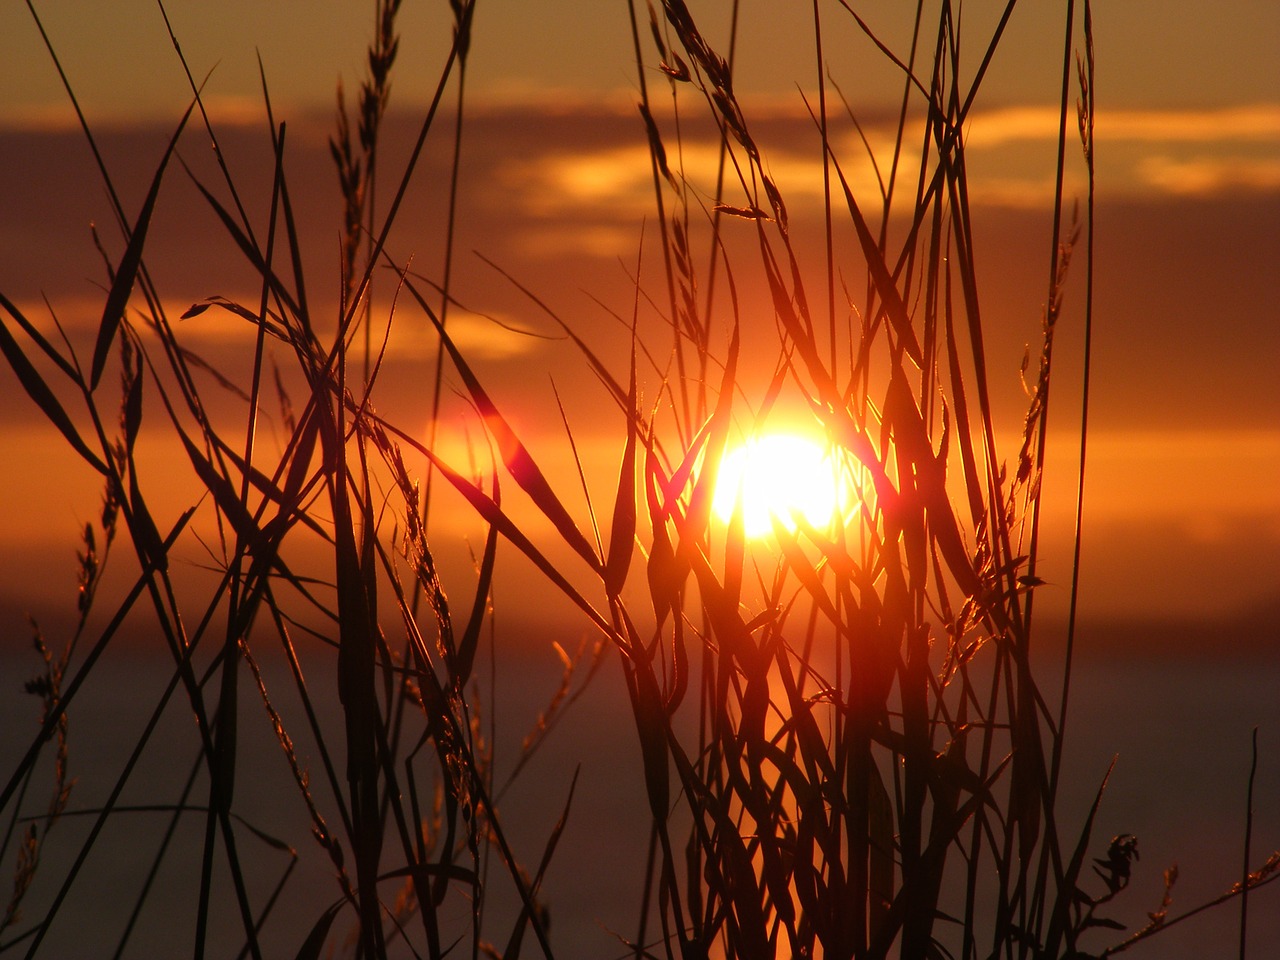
{"x": 780, "y": 476}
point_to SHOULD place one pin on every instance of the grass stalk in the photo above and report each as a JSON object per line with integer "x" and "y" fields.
{"x": 843, "y": 744}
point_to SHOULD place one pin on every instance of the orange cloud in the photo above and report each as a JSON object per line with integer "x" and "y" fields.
{"x": 1172, "y": 152}
{"x": 614, "y": 183}
{"x": 1203, "y": 175}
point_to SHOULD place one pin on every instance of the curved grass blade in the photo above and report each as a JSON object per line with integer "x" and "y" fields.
{"x": 223, "y": 493}
{"x": 311, "y": 947}
{"x": 127, "y": 272}
{"x": 894, "y": 307}
{"x": 44, "y": 398}
{"x": 30, "y": 330}
{"x": 247, "y": 247}
{"x": 623, "y": 532}
{"x": 492, "y": 513}
{"x": 471, "y": 635}
{"x": 1059, "y": 922}
{"x": 515, "y": 455}
{"x": 517, "y": 935}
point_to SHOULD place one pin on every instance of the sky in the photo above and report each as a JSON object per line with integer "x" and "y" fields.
{"x": 1182, "y": 505}
{"x": 1153, "y": 54}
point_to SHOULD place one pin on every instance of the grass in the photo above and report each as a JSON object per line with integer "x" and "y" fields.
{"x": 844, "y": 746}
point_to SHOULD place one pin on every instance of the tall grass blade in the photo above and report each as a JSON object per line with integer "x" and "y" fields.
{"x": 490, "y": 510}
{"x": 248, "y": 247}
{"x": 470, "y": 640}
{"x": 1248, "y": 835}
{"x": 623, "y": 532}
{"x": 514, "y": 454}
{"x": 1059, "y": 925}
{"x": 894, "y": 306}
{"x": 45, "y": 347}
{"x": 38, "y": 390}
{"x": 517, "y": 935}
{"x": 127, "y": 272}
{"x": 314, "y": 943}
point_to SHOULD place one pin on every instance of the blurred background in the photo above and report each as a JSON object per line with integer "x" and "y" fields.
{"x": 1179, "y": 646}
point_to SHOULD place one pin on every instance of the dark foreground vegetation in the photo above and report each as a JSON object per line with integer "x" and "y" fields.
{"x": 845, "y": 746}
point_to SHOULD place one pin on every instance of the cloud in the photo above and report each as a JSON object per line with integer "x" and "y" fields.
{"x": 1197, "y": 153}
{"x": 477, "y": 336}
{"x": 1188, "y": 478}
{"x": 412, "y": 335}
{"x": 605, "y": 241}
{"x": 1210, "y": 175}
{"x": 1020, "y": 192}
{"x": 224, "y": 110}
{"x": 565, "y": 181}
{"x": 1256, "y": 123}
{"x": 608, "y": 183}
{"x": 1012, "y": 158}
{"x": 992, "y": 128}
{"x": 1181, "y": 153}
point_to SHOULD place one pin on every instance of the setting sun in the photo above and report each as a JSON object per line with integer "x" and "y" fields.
{"x": 782, "y": 476}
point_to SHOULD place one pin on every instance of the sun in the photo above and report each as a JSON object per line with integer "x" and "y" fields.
{"x": 782, "y": 477}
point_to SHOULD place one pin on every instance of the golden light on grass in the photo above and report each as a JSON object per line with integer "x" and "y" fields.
{"x": 783, "y": 477}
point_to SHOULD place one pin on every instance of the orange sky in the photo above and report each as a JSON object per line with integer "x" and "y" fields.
{"x": 1152, "y": 53}
{"x": 1184, "y": 511}
{"x": 1182, "y": 520}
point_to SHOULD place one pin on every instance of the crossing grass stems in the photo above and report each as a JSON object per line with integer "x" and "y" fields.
{"x": 845, "y": 753}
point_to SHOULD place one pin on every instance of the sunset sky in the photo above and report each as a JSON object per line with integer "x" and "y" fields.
{"x": 1178, "y": 655}
{"x": 1183, "y": 516}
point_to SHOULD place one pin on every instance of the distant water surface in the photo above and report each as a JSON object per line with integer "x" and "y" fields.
{"x": 1180, "y": 725}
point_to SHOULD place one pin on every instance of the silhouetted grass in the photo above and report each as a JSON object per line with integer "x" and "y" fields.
{"x": 845, "y": 748}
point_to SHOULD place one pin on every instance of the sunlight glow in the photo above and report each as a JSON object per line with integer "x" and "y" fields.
{"x": 782, "y": 476}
